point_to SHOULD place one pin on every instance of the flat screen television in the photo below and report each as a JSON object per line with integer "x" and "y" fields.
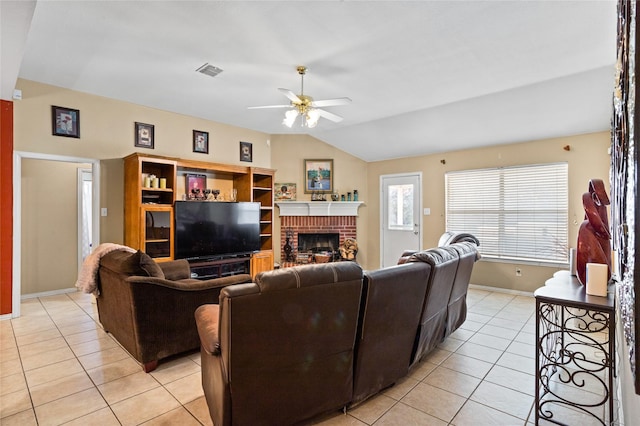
{"x": 206, "y": 229}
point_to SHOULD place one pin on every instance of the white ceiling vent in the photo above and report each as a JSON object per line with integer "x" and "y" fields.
{"x": 209, "y": 70}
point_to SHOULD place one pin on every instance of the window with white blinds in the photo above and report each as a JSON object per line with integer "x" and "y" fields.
{"x": 517, "y": 213}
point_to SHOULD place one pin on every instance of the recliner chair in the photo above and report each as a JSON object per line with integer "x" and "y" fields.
{"x": 392, "y": 303}
{"x": 433, "y": 322}
{"x": 457, "y": 307}
{"x": 281, "y": 350}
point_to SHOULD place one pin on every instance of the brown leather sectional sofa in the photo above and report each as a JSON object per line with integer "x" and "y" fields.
{"x": 302, "y": 341}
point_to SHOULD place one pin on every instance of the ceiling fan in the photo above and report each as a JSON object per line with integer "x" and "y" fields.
{"x": 306, "y": 107}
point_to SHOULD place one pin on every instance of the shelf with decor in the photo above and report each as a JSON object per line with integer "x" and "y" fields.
{"x": 262, "y": 192}
{"x": 147, "y": 206}
{"x": 154, "y": 183}
{"x": 157, "y": 235}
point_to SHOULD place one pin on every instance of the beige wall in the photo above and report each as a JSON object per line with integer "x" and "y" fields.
{"x": 288, "y": 153}
{"x": 107, "y": 129}
{"x": 49, "y": 225}
{"x": 107, "y": 134}
{"x": 112, "y": 197}
{"x": 587, "y": 159}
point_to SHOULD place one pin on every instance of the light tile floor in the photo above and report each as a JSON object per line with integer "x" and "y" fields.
{"x": 58, "y": 366}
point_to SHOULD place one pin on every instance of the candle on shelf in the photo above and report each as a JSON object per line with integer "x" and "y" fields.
{"x": 163, "y": 183}
{"x": 572, "y": 261}
{"x": 597, "y": 279}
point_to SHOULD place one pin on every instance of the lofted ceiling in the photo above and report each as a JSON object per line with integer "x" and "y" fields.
{"x": 424, "y": 76}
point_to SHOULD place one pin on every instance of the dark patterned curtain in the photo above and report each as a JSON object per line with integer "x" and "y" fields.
{"x": 624, "y": 180}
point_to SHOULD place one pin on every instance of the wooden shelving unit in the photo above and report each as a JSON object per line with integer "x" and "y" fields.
{"x": 148, "y": 216}
{"x": 262, "y": 192}
{"x": 149, "y": 220}
{"x": 157, "y": 234}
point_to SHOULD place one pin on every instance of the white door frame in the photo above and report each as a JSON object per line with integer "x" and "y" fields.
{"x": 383, "y": 201}
{"x": 18, "y": 156}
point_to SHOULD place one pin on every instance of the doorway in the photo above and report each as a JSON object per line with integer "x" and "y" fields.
{"x": 85, "y": 219}
{"x": 19, "y": 193}
{"x": 400, "y": 218}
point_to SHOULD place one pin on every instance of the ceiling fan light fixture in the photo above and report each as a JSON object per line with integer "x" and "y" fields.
{"x": 311, "y": 118}
{"x": 290, "y": 118}
{"x": 304, "y": 105}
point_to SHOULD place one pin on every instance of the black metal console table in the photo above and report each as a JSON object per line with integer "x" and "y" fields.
{"x": 575, "y": 338}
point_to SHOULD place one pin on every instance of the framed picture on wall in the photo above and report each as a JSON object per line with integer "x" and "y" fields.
{"x": 65, "y": 122}
{"x": 201, "y": 141}
{"x": 318, "y": 176}
{"x": 144, "y": 135}
{"x": 285, "y": 191}
{"x": 246, "y": 151}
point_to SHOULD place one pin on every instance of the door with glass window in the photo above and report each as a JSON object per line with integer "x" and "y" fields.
{"x": 400, "y": 216}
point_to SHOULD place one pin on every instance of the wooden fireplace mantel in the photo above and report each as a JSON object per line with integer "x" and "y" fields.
{"x": 319, "y": 208}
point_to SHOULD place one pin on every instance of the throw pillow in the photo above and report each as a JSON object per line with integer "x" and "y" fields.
{"x": 138, "y": 264}
{"x": 150, "y": 266}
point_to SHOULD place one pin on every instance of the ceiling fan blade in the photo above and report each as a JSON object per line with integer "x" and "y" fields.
{"x": 329, "y": 116}
{"x": 332, "y": 102}
{"x": 292, "y": 96}
{"x": 269, "y": 106}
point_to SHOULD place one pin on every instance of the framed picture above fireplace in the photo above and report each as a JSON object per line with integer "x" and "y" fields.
{"x": 318, "y": 176}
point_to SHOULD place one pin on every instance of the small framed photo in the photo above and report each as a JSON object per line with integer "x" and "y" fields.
{"x": 144, "y": 135}
{"x": 246, "y": 151}
{"x": 65, "y": 122}
{"x": 201, "y": 141}
{"x": 196, "y": 184}
{"x": 285, "y": 191}
{"x": 318, "y": 176}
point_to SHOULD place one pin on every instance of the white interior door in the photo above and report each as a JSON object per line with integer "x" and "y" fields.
{"x": 400, "y": 217}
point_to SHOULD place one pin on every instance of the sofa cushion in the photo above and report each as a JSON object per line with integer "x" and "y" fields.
{"x": 138, "y": 263}
{"x": 176, "y": 269}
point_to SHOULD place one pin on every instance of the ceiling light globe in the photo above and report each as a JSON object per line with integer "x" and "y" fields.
{"x": 312, "y": 118}
{"x": 290, "y": 117}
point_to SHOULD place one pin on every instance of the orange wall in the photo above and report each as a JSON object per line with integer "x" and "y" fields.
{"x": 6, "y": 204}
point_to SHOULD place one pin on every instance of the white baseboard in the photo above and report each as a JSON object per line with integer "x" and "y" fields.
{"x": 5, "y": 317}
{"x": 500, "y": 290}
{"x": 48, "y": 293}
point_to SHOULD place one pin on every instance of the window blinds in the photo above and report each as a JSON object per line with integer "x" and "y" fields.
{"x": 518, "y": 213}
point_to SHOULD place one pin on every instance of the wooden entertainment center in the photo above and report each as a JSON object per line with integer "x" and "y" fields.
{"x": 149, "y": 210}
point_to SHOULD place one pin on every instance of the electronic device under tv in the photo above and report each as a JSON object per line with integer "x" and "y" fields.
{"x": 211, "y": 230}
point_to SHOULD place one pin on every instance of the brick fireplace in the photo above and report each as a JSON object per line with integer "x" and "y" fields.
{"x": 319, "y": 223}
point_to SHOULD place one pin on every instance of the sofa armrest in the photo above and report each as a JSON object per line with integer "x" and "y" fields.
{"x": 207, "y": 317}
{"x": 175, "y": 269}
{"x": 191, "y": 284}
